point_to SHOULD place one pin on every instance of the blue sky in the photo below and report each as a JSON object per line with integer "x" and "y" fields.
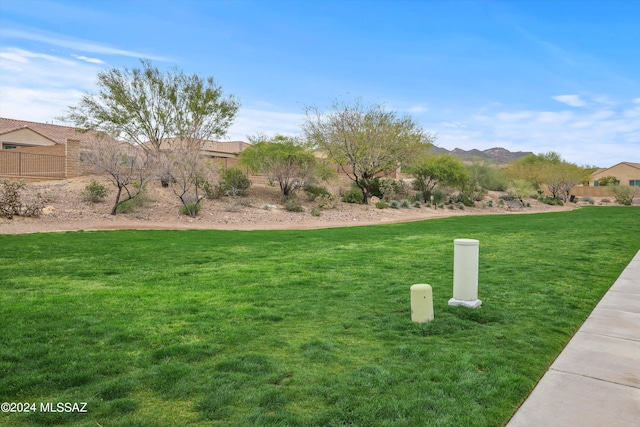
{"x": 540, "y": 75}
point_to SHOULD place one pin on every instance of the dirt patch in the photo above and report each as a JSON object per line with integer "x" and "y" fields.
{"x": 66, "y": 211}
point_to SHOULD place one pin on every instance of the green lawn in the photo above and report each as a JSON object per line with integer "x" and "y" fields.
{"x": 297, "y": 328}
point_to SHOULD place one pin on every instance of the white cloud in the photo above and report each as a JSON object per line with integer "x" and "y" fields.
{"x": 89, "y": 60}
{"x": 571, "y": 100}
{"x": 76, "y": 44}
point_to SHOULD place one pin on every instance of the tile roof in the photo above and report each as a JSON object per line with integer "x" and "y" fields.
{"x": 58, "y": 134}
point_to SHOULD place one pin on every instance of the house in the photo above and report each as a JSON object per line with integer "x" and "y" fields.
{"x": 626, "y": 173}
{"x": 211, "y": 149}
{"x": 35, "y": 151}
{"x": 32, "y": 151}
{"x": 22, "y": 134}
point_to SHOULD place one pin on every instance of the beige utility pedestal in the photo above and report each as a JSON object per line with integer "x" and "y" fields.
{"x": 421, "y": 303}
{"x": 465, "y": 273}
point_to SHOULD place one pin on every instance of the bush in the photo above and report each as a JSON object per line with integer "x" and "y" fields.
{"x": 623, "y": 194}
{"x": 352, "y": 195}
{"x": 233, "y": 183}
{"x": 462, "y": 198}
{"x": 394, "y": 204}
{"x": 417, "y": 204}
{"x": 490, "y": 203}
{"x": 192, "y": 208}
{"x": 587, "y": 199}
{"x": 10, "y": 203}
{"x": 382, "y": 205}
{"x": 33, "y": 209}
{"x": 211, "y": 191}
{"x": 507, "y": 197}
{"x": 292, "y": 205}
{"x": 313, "y": 192}
{"x": 131, "y": 205}
{"x": 439, "y": 197}
{"x": 405, "y": 204}
{"x": 94, "y": 192}
{"x": 391, "y": 188}
{"x": 328, "y": 201}
{"x": 550, "y": 201}
{"x": 315, "y": 212}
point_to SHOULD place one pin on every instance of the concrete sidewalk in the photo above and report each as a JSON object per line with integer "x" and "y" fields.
{"x": 596, "y": 379}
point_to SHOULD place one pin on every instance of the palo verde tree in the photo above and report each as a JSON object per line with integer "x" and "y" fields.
{"x": 285, "y": 160}
{"x": 365, "y": 140}
{"x": 550, "y": 170}
{"x": 146, "y": 106}
{"x": 431, "y": 170}
{"x": 153, "y": 109}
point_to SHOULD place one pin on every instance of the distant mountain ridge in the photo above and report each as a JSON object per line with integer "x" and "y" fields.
{"x": 495, "y": 155}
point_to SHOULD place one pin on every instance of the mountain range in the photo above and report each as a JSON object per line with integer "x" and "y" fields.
{"x": 494, "y": 155}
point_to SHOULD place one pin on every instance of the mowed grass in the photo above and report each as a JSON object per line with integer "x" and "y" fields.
{"x": 297, "y": 328}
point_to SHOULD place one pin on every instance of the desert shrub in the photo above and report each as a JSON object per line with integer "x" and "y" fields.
{"x": 623, "y": 195}
{"x": 490, "y": 203}
{"x": 132, "y": 205}
{"x": 500, "y": 203}
{"x": 352, "y": 195}
{"x": 382, "y": 205}
{"x": 405, "y": 204}
{"x": 292, "y": 205}
{"x": 247, "y": 202}
{"x": 550, "y": 200}
{"x": 234, "y": 182}
{"x": 462, "y": 198}
{"x": 587, "y": 199}
{"x": 211, "y": 191}
{"x": 439, "y": 196}
{"x": 10, "y": 202}
{"x": 34, "y": 208}
{"x": 461, "y": 206}
{"x": 314, "y": 191}
{"x": 417, "y": 204}
{"x": 391, "y": 188}
{"x": 507, "y": 197}
{"x": 190, "y": 209}
{"x": 418, "y": 196}
{"x": 315, "y": 212}
{"x": 387, "y": 189}
{"x": 328, "y": 201}
{"x": 94, "y": 192}
{"x": 394, "y": 204}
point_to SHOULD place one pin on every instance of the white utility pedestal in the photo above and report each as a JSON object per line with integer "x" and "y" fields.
{"x": 421, "y": 303}
{"x": 465, "y": 273}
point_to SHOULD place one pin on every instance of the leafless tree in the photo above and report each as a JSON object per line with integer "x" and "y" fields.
{"x": 127, "y": 167}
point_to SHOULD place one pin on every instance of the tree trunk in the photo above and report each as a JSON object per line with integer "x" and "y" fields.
{"x": 115, "y": 205}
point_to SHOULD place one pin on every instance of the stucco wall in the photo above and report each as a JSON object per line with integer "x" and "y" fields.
{"x": 26, "y": 137}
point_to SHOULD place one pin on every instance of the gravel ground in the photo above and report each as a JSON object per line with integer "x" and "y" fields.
{"x": 66, "y": 210}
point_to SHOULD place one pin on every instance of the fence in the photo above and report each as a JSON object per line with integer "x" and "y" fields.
{"x": 20, "y": 164}
{"x": 41, "y": 162}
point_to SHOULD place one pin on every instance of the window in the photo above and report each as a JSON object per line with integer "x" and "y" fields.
{"x": 634, "y": 183}
{"x": 596, "y": 183}
{"x": 9, "y": 146}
